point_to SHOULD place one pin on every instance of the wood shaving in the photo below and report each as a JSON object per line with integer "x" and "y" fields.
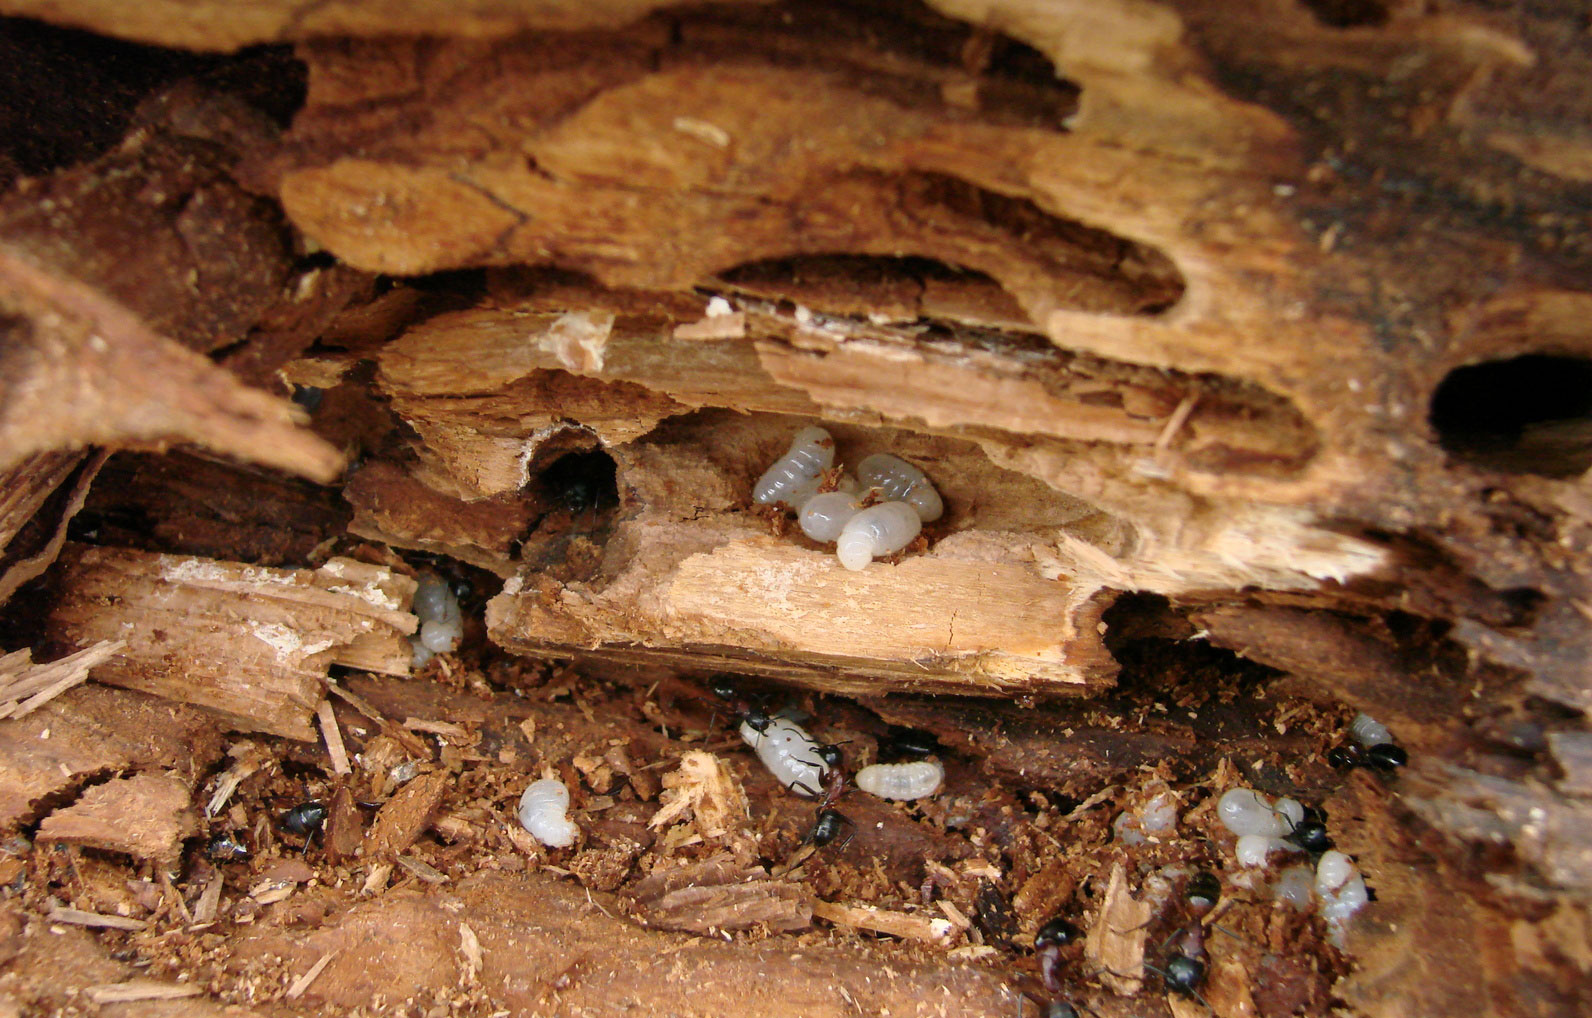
{"x": 1115, "y": 943}
{"x": 304, "y": 981}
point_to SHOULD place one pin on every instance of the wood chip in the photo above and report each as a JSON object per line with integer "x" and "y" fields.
{"x": 376, "y": 879}
{"x": 140, "y": 989}
{"x": 721, "y": 894}
{"x": 426, "y": 872}
{"x": 303, "y": 982}
{"x": 334, "y": 738}
{"x": 905, "y": 925}
{"x": 250, "y": 643}
{"x": 1115, "y": 943}
{"x": 146, "y": 815}
{"x": 405, "y": 815}
{"x": 24, "y": 687}
{"x": 470, "y": 947}
{"x": 209, "y": 903}
{"x": 78, "y": 917}
{"x": 446, "y": 728}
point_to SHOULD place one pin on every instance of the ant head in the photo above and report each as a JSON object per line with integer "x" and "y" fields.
{"x": 1058, "y": 932}
{"x": 830, "y": 755}
{"x": 1316, "y": 814}
{"x": 756, "y": 719}
{"x": 1385, "y": 756}
{"x": 462, "y": 588}
{"x": 1311, "y": 835}
{"x": 1204, "y": 890}
{"x": 1344, "y": 757}
{"x": 724, "y": 687}
{"x": 1183, "y": 974}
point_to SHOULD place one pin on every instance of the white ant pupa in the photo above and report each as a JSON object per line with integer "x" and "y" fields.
{"x": 543, "y": 810}
{"x": 901, "y": 482}
{"x": 794, "y": 476}
{"x": 789, "y": 753}
{"x": 825, "y": 516}
{"x": 904, "y": 782}
{"x": 441, "y": 622}
{"x": 883, "y": 529}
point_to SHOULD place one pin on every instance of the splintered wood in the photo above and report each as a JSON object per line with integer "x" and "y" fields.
{"x": 1115, "y": 942}
{"x": 711, "y": 803}
{"x": 25, "y": 686}
{"x": 146, "y": 816}
{"x": 250, "y": 643}
{"x": 721, "y": 894}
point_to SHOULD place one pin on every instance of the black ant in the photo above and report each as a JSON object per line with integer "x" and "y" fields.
{"x": 828, "y": 823}
{"x": 227, "y": 846}
{"x": 751, "y": 715}
{"x": 1310, "y": 833}
{"x": 1050, "y": 943}
{"x": 907, "y": 744}
{"x": 304, "y": 820}
{"x": 1384, "y": 756}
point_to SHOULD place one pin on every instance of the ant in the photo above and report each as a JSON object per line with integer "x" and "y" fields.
{"x": 828, "y": 823}
{"x": 751, "y": 715}
{"x": 304, "y": 820}
{"x": 1050, "y": 943}
{"x": 227, "y": 846}
{"x": 1310, "y": 833}
{"x": 1386, "y": 757}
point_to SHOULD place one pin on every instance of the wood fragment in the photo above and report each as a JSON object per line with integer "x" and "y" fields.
{"x": 423, "y": 871}
{"x": 908, "y": 926}
{"x": 34, "y": 514}
{"x": 345, "y": 826}
{"x": 146, "y": 815}
{"x": 24, "y": 687}
{"x": 251, "y": 643}
{"x": 305, "y": 981}
{"x": 1114, "y": 944}
{"x": 78, "y": 917}
{"x": 333, "y": 737}
{"x": 140, "y": 989}
{"x": 404, "y": 817}
{"x": 470, "y": 947}
{"x": 720, "y": 893}
{"x": 456, "y": 732}
{"x": 209, "y": 903}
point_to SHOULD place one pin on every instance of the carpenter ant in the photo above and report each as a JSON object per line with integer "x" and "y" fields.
{"x": 1310, "y": 833}
{"x": 1050, "y": 942}
{"x": 304, "y": 820}
{"x": 827, "y": 824}
{"x": 226, "y": 846}
{"x": 1384, "y": 756}
{"x": 907, "y": 744}
{"x": 751, "y": 715}
{"x": 827, "y": 828}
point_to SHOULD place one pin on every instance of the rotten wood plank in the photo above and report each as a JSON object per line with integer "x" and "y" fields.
{"x": 250, "y": 643}
{"x": 146, "y": 816}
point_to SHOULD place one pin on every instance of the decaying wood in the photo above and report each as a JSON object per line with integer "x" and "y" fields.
{"x": 24, "y": 686}
{"x": 721, "y": 894}
{"x": 32, "y": 530}
{"x": 92, "y": 731}
{"x": 404, "y": 817}
{"x": 1114, "y": 944}
{"x": 146, "y": 816}
{"x": 922, "y": 928}
{"x": 250, "y": 643}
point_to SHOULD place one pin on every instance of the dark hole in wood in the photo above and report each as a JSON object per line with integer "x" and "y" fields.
{"x": 1524, "y": 415}
{"x": 1348, "y": 13}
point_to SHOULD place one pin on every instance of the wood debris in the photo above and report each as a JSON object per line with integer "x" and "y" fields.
{"x": 79, "y": 917}
{"x": 720, "y": 894}
{"x": 707, "y": 803}
{"x": 333, "y": 737}
{"x": 1115, "y": 941}
{"x": 140, "y": 989}
{"x": 404, "y": 817}
{"x": 24, "y": 686}
{"x": 906, "y": 925}
{"x": 146, "y": 816}
{"x": 252, "y": 644}
{"x": 305, "y": 981}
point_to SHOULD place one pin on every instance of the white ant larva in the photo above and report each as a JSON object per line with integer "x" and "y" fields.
{"x": 542, "y": 812}
{"x": 790, "y": 754}
{"x": 794, "y": 476}
{"x": 883, "y": 529}
{"x": 441, "y": 622}
{"x": 901, "y": 482}
{"x": 915, "y": 779}
{"x": 1368, "y": 731}
{"x": 825, "y": 516}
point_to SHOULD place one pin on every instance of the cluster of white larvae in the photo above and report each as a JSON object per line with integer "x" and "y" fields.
{"x": 441, "y": 621}
{"x": 1262, "y": 827}
{"x": 796, "y": 760}
{"x": 877, "y": 513}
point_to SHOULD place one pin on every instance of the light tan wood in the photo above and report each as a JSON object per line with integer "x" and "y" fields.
{"x": 247, "y": 642}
